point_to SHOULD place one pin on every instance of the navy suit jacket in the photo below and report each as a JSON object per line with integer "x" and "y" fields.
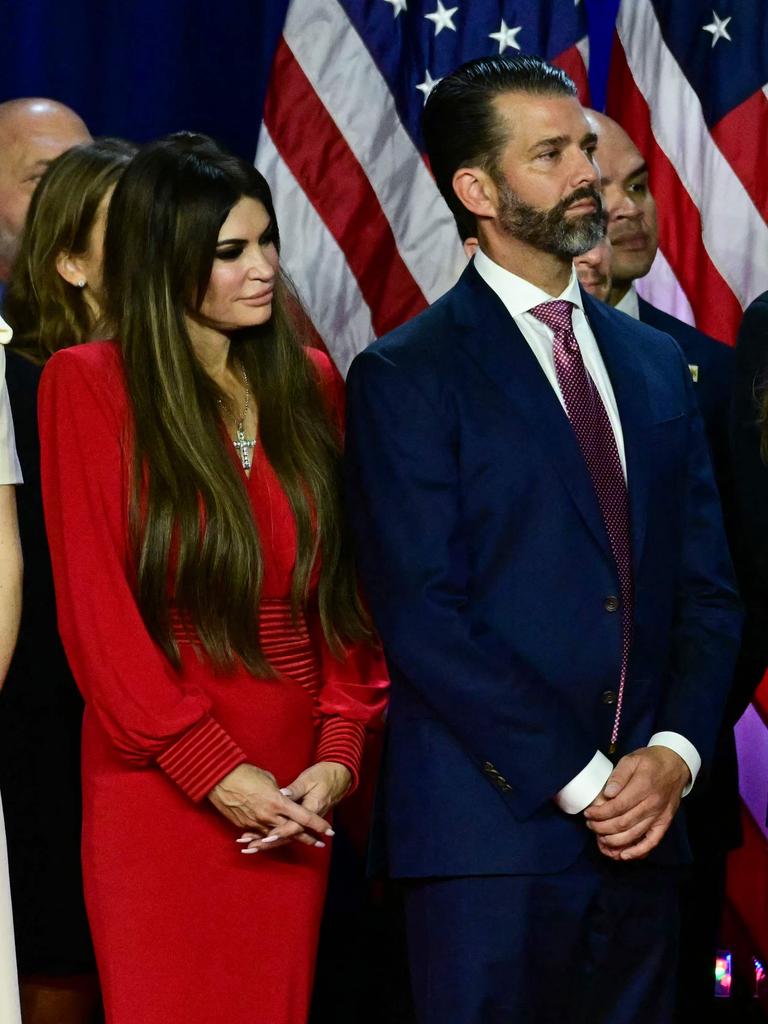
{"x": 488, "y": 570}
{"x": 714, "y": 362}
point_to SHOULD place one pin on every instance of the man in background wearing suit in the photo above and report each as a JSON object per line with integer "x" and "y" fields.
{"x": 713, "y": 812}
{"x": 560, "y": 643}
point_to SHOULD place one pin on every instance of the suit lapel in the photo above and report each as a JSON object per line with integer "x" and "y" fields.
{"x": 619, "y": 351}
{"x": 491, "y": 338}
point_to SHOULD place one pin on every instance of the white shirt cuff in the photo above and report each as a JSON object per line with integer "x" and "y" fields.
{"x": 684, "y": 748}
{"x": 579, "y": 793}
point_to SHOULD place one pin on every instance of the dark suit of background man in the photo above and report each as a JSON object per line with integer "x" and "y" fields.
{"x": 713, "y": 812}
{"x": 560, "y": 646}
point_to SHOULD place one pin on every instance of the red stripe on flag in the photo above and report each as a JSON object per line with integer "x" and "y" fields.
{"x": 760, "y": 700}
{"x": 716, "y": 308}
{"x": 572, "y": 63}
{"x": 322, "y": 162}
{"x": 748, "y": 882}
{"x": 742, "y": 137}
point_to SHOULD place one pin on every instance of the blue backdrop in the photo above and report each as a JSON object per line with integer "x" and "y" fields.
{"x": 142, "y": 68}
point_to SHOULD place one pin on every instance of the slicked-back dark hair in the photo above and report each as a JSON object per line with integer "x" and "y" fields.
{"x": 461, "y": 128}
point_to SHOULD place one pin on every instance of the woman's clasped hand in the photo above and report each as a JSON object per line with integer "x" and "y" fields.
{"x": 250, "y": 798}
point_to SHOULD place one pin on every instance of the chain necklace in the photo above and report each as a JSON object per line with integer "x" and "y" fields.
{"x": 243, "y": 445}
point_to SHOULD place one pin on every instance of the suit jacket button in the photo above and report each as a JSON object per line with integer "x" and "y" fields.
{"x": 611, "y": 604}
{"x": 608, "y": 697}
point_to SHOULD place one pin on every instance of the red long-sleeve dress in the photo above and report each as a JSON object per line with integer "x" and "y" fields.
{"x": 185, "y": 927}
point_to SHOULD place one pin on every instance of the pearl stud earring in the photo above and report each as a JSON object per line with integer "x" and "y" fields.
{"x": 81, "y": 283}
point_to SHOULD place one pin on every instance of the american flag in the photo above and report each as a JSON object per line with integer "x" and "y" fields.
{"x": 689, "y": 82}
{"x": 369, "y": 241}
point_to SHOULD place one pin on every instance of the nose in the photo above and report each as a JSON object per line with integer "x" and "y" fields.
{"x": 585, "y": 171}
{"x": 261, "y": 268}
{"x": 618, "y": 205}
{"x": 591, "y": 258}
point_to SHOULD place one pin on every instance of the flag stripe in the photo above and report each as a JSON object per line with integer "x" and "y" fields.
{"x": 363, "y": 109}
{"x": 727, "y": 211}
{"x": 752, "y": 745}
{"x": 661, "y": 288}
{"x": 327, "y": 170}
{"x": 574, "y": 62}
{"x": 748, "y": 882}
{"x": 332, "y": 298}
{"x": 742, "y": 136}
{"x": 717, "y": 310}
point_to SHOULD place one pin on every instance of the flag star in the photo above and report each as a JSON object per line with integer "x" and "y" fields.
{"x": 398, "y": 5}
{"x": 506, "y": 36}
{"x": 442, "y": 17}
{"x": 428, "y": 84}
{"x": 718, "y": 28}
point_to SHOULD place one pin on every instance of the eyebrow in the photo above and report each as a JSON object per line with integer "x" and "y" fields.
{"x": 556, "y": 140}
{"x": 562, "y": 140}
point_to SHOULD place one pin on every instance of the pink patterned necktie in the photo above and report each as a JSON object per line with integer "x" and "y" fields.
{"x": 598, "y": 446}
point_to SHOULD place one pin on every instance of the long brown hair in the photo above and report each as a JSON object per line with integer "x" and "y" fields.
{"x": 191, "y": 521}
{"x": 46, "y": 312}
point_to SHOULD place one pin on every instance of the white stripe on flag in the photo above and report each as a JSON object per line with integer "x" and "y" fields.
{"x": 661, "y": 288}
{"x": 752, "y": 746}
{"x": 313, "y": 260}
{"x": 583, "y": 47}
{"x": 343, "y": 74}
{"x": 734, "y": 233}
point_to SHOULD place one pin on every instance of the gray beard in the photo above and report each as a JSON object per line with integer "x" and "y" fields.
{"x": 550, "y": 230}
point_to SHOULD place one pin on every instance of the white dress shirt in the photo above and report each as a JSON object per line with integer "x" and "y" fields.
{"x": 630, "y": 303}
{"x": 10, "y": 470}
{"x": 520, "y": 296}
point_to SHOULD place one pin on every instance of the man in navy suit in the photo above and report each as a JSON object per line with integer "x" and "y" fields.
{"x": 713, "y": 813}
{"x": 540, "y": 540}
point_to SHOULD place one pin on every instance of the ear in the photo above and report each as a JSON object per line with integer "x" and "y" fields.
{"x": 476, "y": 190}
{"x": 71, "y": 269}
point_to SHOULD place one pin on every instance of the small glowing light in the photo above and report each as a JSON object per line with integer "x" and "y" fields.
{"x": 723, "y": 975}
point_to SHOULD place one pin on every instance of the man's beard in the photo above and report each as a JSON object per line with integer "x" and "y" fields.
{"x": 550, "y": 230}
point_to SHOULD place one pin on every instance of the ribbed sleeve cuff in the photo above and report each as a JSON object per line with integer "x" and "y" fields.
{"x": 342, "y": 741}
{"x": 201, "y": 758}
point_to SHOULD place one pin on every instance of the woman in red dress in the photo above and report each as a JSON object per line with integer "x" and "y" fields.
{"x": 206, "y": 601}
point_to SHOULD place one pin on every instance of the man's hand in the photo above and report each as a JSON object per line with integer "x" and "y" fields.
{"x": 638, "y": 802}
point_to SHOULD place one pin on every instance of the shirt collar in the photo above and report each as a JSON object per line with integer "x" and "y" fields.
{"x": 630, "y": 304}
{"x": 5, "y": 332}
{"x": 517, "y": 294}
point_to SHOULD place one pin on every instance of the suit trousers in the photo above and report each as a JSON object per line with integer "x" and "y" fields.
{"x": 594, "y": 944}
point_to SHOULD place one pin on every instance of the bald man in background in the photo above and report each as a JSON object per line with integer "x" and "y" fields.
{"x": 32, "y": 133}
{"x": 713, "y": 813}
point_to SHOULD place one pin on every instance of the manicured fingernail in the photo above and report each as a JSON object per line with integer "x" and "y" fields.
{"x": 247, "y": 838}
{"x": 287, "y": 792}
{"x": 319, "y": 843}
{"x": 330, "y": 832}
{"x": 270, "y": 839}
{"x": 251, "y": 850}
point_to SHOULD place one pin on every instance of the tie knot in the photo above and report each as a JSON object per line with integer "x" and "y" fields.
{"x": 556, "y": 315}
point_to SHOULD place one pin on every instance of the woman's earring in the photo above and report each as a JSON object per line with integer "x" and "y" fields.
{"x": 81, "y": 283}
